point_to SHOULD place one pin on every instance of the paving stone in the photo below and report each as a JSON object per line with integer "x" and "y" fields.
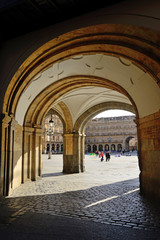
{"x": 104, "y": 193}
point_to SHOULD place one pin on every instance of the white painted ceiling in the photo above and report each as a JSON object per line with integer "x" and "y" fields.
{"x": 80, "y": 100}
{"x": 139, "y": 84}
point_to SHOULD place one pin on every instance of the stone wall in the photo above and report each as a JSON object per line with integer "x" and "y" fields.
{"x": 149, "y": 128}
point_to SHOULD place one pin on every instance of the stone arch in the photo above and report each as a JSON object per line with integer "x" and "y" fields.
{"x": 94, "y": 148}
{"x": 67, "y": 117}
{"x": 42, "y": 104}
{"x": 107, "y": 147}
{"x": 100, "y": 147}
{"x": 53, "y": 111}
{"x": 113, "y": 147}
{"x": 89, "y": 148}
{"x": 93, "y": 111}
{"x": 119, "y": 147}
{"x": 136, "y": 44}
{"x": 110, "y": 38}
{"x": 81, "y": 122}
{"x": 127, "y": 142}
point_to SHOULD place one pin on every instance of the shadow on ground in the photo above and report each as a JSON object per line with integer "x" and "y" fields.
{"x": 113, "y": 211}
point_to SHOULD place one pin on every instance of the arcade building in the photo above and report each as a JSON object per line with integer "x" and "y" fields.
{"x": 102, "y": 134}
{"x": 111, "y": 134}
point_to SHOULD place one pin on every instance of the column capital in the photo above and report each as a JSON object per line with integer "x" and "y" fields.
{"x": 5, "y": 118}
{"x": 67, "y": 134}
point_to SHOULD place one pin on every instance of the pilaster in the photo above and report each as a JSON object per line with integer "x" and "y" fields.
{"x": 4, "y": 123}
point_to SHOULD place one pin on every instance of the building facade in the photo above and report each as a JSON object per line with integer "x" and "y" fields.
{"x": 56, "y": 139}
{"x": 111, "y": 134}
{"x": 102, "y": 134}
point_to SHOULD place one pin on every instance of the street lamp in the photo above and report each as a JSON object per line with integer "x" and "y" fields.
{"x": 50, "y": 133}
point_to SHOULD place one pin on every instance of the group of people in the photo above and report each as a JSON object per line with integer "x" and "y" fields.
{"x": 101, "y": 155}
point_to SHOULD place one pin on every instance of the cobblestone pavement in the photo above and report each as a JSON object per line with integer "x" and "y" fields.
{"x": 107, "y": 192}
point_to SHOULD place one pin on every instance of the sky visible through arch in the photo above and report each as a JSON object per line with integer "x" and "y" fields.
{"x": 114, "y": 113}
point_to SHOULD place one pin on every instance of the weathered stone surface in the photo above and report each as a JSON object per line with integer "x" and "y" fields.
{"x": 150, "y": 155}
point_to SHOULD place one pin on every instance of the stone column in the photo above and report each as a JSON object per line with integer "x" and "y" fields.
{"x": 149, "y": 155}
{"x": 4, "y": 121}
{"x": 11, "y": 154}
{"x": 82, "y": 152}
{"x": 27, "y": 153}
{"x": 43, "y": 142}
{"x": 71, "y": 153}
{"x": 14, "y": 155}
{"x": 36, "y": 164}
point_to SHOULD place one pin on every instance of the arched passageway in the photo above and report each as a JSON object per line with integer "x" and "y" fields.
{"x": 46, "y": 80}
{"x": 55, "y": 139}
{"x": 100, "y": 148}
{"x": 94, "y": 148}
{"x": 127, "y": 142}
{"x": 106, "y": 147}
{"x": 119, "y": 147}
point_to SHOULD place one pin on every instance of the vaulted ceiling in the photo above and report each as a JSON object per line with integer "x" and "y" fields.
{"x": 117, "y": 69}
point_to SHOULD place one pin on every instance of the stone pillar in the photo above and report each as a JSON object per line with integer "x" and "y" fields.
{"x": 14, "y": 155}
{"x": 11, "y": 154}
{"x": 4, "y": 121}
{"x": 71, "y": 153}
{"x": 27, "y": 153}
{"x": 82, "y": 152}
{"x": 149, "y": 155}
{"x": 44, "y": 142}
{"x": 36, "y": 165}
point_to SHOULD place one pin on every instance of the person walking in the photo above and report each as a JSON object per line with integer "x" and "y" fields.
{"x": 102, "y": 155}
{"x": 107, "y": 156}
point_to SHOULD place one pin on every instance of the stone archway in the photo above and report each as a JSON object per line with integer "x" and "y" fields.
{"x": 94, "y": 148}
{"x": 89, "y": 148}
{"x": 100, "y": 148}
{"x": 106, "y": 147}
{"x": 80, "y": 125}
{"x": 113, "y": 148}
{"x": 134, "y": 49}
{"x": 73, "y": 138}
{"x": 119, "y": 147}
{"x": 127, "y": 147}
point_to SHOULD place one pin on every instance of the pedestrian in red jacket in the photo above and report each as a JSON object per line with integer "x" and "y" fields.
{"x": 102, "y": 155}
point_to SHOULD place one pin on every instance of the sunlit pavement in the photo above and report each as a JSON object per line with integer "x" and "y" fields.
{"x": 106, "y": 193}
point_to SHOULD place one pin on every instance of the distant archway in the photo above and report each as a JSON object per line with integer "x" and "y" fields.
{"x": 100, "y": 147}
{"x": 113, "y": 147}
{"x": 94, "y": 148}
{"x": 89, "y": 148}
{"x": 119, "y": 147}
{"x": 131, "y": 146}
{"x": 106, "y": 147}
